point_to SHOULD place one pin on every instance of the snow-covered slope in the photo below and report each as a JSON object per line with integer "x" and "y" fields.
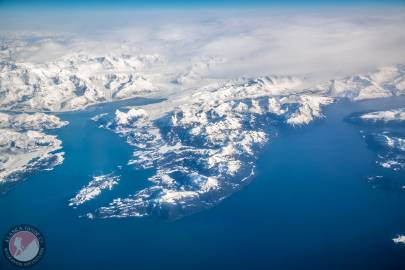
{"x": 73, "y": 82}
{"x": 203, "y": 145}
{"x": 396, "y": 115}
{"x": 78, "y": 79}
{"x": 384, "y": 82}
{"x": 24, "y": 147}
{"x": 202, "y": 140}
{"x": 94, "y": 188}
{"x": 35, "y": 121}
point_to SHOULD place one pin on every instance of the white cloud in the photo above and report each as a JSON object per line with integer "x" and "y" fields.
{"x": 323, "y": 43}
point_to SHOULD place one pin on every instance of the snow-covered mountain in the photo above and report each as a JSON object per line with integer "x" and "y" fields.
{"x": 24, "y": 147}
{"x": 384, "y": 82}
{"x": 94, "y": 188}
{"x": 203, "y": 144}
{"x": 73, "y": 82}
{"x": 202, "y": 140}
{"x": 25, "y": 121}
{"x": 395, "y": 115}
{"x": 77, "y": 80}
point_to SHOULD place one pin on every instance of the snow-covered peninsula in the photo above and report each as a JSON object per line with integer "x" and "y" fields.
{"x": 24, "y": 145}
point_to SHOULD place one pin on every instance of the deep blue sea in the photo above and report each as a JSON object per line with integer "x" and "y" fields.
{"x": 309, "y": 206}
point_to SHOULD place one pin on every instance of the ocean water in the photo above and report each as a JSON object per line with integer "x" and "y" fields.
{"x": 309, "y": 205}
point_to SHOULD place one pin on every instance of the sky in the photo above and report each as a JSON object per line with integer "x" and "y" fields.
{"x": 190, "y": 3}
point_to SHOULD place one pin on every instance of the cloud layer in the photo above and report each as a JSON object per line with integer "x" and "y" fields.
{"x": 323, "y": 43}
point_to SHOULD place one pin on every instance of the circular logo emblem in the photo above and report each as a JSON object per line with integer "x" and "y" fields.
{"x": 23, "y": 245}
